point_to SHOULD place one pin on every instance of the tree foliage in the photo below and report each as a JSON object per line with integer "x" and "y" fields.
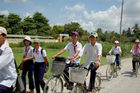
{"x": 39, "y": 25}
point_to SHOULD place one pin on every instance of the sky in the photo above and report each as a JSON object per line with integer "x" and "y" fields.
{"x": 90, "y": 14}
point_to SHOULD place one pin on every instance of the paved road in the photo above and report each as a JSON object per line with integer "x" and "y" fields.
{"x": 126, "y": 82}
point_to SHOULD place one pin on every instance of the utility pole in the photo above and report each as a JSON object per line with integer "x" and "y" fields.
{"x": 121, "y": 20}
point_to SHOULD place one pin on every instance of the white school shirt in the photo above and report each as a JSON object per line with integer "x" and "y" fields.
{"x": 30, "y": 51}
{"x": 8, "y": 73}
{"x": 39, "y": 57}
{"x": 116, "y": 50}
{"x": 92, "y": 52}
{"x": 69, "y": 47}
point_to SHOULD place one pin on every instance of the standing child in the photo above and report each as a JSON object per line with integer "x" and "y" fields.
{"x": 117, "y": 52}
{"x": 40, "y": 65}
{"x": 28, "y": 64}
{"x": 8, "y": 75}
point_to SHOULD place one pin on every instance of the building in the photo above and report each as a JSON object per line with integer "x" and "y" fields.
{"x": 19, "y": 38}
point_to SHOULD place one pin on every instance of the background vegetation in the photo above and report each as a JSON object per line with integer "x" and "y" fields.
{"x": 39, "y": 25}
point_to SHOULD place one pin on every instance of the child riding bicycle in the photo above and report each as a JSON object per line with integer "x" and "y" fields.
{"x": 135, "y": 51}
{"x": 93, "y": 51}
{"x": 74, "y": 48}
{"x": 117, "y": 52}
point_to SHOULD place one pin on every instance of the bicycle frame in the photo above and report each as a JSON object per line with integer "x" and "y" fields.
{"x": 83, "y": 87}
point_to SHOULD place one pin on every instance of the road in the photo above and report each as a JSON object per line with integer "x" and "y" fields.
{"x": 125, "y": 82}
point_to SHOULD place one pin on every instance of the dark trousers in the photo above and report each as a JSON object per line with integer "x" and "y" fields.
{"x": 134, "y": 65}
{"x": 28, "y": 67}
{"x": 118, "y": 59}
{"x": 92, "y": 76}
{"x": 66, "y": 75}
{"x": 39, "y": 70}
{"x": 5, "y": 89}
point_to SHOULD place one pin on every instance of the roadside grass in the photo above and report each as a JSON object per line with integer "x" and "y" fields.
{"x": 53, "y": 48}
{"x": 50, "y": 52}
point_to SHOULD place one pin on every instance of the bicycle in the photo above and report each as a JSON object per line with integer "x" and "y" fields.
{"x": 112, "y": 69}
{"x": 136, "y": 59}
{"x": 80, "y": 86}
{"x": 55, "y": 83}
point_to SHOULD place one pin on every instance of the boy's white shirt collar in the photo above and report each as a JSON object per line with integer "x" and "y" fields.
{"x": 4, "y": 45}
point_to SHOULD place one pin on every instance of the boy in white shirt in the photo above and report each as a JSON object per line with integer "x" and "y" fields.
{"x": 8, "y": 75}
{"x": 117, "y": 52}
{"x": 40, "y": 57}
{"x": 74, "y": 48}
{"x": 93, "y": 51}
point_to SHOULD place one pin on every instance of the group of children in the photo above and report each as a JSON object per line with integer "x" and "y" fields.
{"x": 40, "y": 56}
{"x": 93, "y": 51}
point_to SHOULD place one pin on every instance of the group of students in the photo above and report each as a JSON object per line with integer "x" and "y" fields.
{"x": 40, "y": 56}
{"x": 93, "y": 51}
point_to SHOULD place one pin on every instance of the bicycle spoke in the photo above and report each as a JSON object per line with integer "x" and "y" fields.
{"x": 55, "y": 85}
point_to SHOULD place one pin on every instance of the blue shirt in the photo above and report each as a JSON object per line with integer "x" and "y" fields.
{"x": 8, "y": 73}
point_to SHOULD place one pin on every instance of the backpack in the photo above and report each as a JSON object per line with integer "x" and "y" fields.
{"x": 41, "y": 51}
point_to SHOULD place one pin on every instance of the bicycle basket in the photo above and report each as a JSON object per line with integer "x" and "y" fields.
{"x": 136, "y": 58}
{"x": 110, "y": 58}
{"x": 77, "y": 75}
{"x": 57, "y": 67}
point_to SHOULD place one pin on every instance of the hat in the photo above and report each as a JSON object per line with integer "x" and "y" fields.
{"x": 137, "y": 40}
{"x": 116, "y": 42}
{"x": 93, "y": 34}
{"x": 76, "y": 33}
{"x": 3, "y": 31}
{"x": 27, "y": 38}
{"x": 36, "y": 40}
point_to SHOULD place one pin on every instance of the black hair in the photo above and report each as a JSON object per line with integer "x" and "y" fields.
{"x": 3, "y": 34}
{"x": 27, "y": 40}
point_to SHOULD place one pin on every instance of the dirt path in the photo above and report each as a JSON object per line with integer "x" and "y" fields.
{"x": 125, "y": 82}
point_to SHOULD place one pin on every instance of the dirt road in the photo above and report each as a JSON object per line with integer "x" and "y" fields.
{"x": 126, "y": 82}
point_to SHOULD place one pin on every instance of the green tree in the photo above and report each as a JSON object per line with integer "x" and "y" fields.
{"x": 14, "y": 24}
{"x": 42, "y": 25}
{"x": 3, "y": 21}
{"x": 72, "y": 27}
{"x": 29, "y": 27}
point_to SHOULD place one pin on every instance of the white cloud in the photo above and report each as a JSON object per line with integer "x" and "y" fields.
{"x": 108, "y": 19}
{"x": 15, "y": 0}
{"x": 27, "y": 14}
{"x": 77, "y": 7}
{"x": 131, "y": 12}
{"x": 4, "y": 12}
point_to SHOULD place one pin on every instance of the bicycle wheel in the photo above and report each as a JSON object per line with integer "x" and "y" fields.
{"x": 54, "y": 84}
{"x": 78, "y": 88}
{"x": 136, "y": 64}
{"x": 109, "y": 72}
{"x": 97, "y": 82}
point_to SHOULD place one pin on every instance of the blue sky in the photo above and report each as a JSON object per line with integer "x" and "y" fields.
{"x": 91, "y": 14}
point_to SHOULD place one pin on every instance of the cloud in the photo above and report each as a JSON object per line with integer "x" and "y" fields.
{"x": 27, "y": 14}
{"x": 77, "y": 7}
{"x": 108, "y": 20}
{"x": 4, "y": 12}
{"x": 15, "y": 0}
{"x": 131, "y": 12}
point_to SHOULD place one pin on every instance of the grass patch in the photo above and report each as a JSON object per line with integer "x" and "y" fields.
{"x": 50, "y": 52}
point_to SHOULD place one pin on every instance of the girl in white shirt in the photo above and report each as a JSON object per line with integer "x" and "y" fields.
{"x": 117, "y": 52}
